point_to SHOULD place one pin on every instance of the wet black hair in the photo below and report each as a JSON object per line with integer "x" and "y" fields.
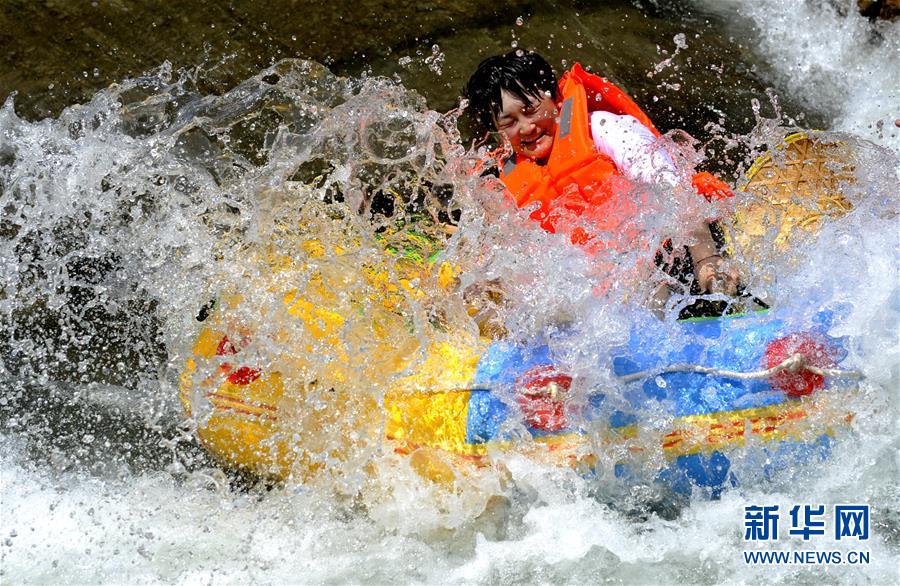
{"x": 524, "y": 74}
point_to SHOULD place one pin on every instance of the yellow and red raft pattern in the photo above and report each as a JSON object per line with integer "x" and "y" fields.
{"x": 430, "y": 409}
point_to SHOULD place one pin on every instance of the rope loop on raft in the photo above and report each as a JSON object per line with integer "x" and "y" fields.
{"x": 793, "y": 363}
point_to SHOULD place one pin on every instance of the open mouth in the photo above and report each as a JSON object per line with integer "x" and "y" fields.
{"x": 533, "y": 142}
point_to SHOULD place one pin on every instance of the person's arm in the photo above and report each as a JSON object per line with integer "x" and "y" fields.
{"x": 629, "y": 144}
{"x": 713, "y": 275}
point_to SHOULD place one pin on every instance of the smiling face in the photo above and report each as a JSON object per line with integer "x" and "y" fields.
{"x": 529, "y": 127}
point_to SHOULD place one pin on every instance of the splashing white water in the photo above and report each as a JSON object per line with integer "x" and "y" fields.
{"x": 134, "y": 210}
{"x": 831, "y": 57}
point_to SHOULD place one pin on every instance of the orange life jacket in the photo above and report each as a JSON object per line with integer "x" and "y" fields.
{"x": 577, "y": 179}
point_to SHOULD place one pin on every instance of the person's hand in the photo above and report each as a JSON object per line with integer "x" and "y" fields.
{"x": 486, "y": 304}
{"x": 715, "y": 275}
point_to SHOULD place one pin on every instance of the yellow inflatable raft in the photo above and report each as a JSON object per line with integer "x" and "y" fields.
{"x": 317, "y": 376}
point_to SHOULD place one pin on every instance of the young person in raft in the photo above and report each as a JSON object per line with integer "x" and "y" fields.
{"x": 582, "y": 138}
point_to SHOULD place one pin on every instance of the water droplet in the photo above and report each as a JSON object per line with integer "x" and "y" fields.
{"x": 520, "y": 21}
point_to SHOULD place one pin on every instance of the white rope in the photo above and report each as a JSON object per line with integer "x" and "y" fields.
{"x": 791, "y": 364}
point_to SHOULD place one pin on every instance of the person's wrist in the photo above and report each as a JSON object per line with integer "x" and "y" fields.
{"x": 705, "y": 259}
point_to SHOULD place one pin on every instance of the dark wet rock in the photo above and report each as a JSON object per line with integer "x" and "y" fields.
{"x": 678, "y": 62}
{"x": 58, "y": 52}
{"x": 883, "y": 9}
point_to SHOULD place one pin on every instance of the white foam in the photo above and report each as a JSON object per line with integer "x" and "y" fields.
{"x": 828, "y": 56}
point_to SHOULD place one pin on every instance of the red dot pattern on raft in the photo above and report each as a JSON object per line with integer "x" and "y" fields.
{"x": 244, "y": 376}
{"x": 241, "y": 376}
{"x": 225, "y": 347}
{"x": 817, "y": 350}
{"x": 542, "y": 410}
